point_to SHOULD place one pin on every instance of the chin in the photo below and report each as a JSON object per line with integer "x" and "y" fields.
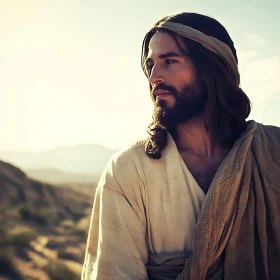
{"x": 163, "y": 103}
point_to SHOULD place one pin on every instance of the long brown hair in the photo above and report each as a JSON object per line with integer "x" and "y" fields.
{"x": 228, "y": 106}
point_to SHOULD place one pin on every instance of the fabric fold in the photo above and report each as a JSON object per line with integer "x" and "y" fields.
{"x": 237, "y": 235}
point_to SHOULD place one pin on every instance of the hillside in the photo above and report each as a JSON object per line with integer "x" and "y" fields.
{"x": 43, "y": 228}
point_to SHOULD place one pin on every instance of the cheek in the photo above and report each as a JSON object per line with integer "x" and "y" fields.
{"x": 181, "y": 78}
{"x": 185, "y": 76}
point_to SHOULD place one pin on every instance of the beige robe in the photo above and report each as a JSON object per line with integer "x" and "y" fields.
{"x": 152, "y": 218}
{"x": 142, "y": 207}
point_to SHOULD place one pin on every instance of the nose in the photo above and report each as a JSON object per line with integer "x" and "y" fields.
{"x": 156, "y": 76}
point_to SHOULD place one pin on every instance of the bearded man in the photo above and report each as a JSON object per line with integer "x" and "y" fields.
{"x": 200, "y": 198}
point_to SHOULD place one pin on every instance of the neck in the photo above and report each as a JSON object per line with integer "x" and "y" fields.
{"x": 192, "y": 137}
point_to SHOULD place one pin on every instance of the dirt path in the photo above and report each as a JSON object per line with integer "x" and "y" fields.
{"x": 40, "y": 255}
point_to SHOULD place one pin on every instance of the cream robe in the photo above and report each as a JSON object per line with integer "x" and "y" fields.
{"x": 136, "y": 218}
{"x": 142, "y": 207}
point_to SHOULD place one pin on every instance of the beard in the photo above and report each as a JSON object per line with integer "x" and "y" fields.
{"x": 189, "y": 103}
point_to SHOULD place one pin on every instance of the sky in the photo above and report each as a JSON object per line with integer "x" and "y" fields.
{"x": 70, "y": 70}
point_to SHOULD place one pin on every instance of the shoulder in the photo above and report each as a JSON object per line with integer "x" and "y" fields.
{"x": 130, "y": 155}
{"x": 273, "y": 131}
{"x": 125, "y": 168}
{"x": 268, "y": 134}
{"x": 266, "y": 143}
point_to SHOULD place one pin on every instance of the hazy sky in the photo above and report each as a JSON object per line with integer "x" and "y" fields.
{"x": 70, "y": 70}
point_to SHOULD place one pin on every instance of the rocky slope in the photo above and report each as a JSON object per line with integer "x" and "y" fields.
{"x": 43, "y": 228}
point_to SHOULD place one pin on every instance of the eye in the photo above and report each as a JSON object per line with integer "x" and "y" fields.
{"x": 149, "y": 66}
{"x": 170, "y": 61}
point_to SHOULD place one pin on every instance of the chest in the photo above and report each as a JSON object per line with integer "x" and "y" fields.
{"x": 202, "y": 171}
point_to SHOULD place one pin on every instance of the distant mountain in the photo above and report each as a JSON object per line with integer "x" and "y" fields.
{"x": 80, "y": 159}
{"x": 56, "y": 176}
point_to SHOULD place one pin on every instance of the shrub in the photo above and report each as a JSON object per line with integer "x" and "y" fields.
{"x": 68, "y": 224}
{"x": 13, "y": 213}
{"x": 8, "y": 268}
{"x": 20, "y": 239}
{"x": 64, "y": 254}
{"x": 83, "y": 227}
{"x": 58, "y": 271}
{"x": 39, "y": 216}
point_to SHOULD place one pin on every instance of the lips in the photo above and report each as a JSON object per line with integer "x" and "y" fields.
{"x": 161, "y": 94}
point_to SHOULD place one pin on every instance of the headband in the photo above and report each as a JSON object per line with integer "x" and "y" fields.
{"x": 212, "y": 44}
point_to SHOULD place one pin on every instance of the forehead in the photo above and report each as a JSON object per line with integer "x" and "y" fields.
{"x": 162, "y": 42}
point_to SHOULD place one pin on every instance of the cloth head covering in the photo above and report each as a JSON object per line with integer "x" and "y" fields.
{"x": 211, "y": 43}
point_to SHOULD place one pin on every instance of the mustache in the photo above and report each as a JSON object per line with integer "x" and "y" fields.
{"x": 165, "y": 87}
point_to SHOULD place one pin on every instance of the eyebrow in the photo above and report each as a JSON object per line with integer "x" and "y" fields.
{"x": 164, "y": 55}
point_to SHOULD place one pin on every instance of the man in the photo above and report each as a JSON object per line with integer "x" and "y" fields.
{"x": 200, "y": 198}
